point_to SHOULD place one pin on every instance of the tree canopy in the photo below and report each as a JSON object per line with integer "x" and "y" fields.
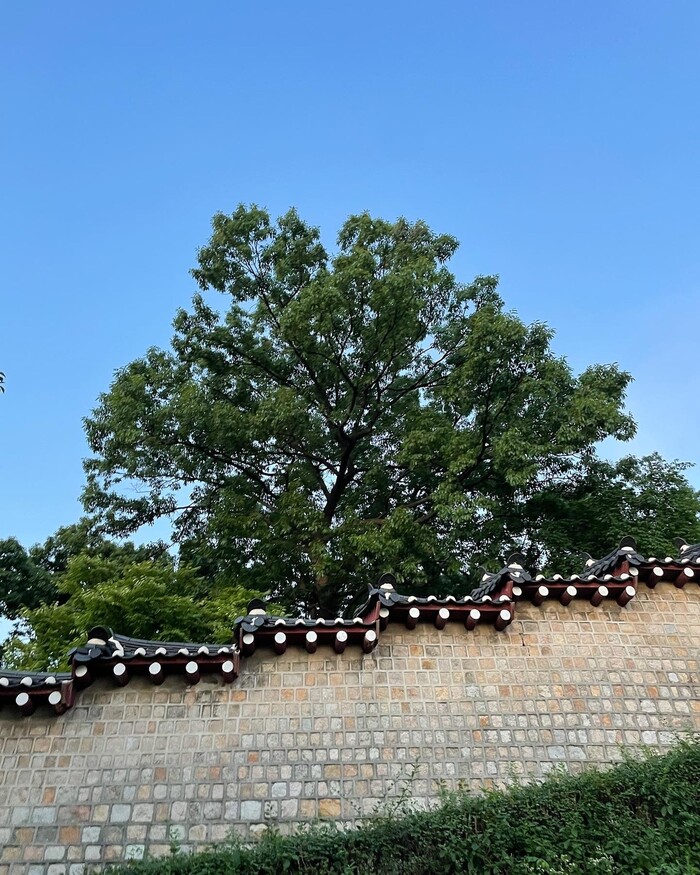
{"x": 352, "y": 412}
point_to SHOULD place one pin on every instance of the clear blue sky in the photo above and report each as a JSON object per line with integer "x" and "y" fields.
{"x": 558, "y": 140}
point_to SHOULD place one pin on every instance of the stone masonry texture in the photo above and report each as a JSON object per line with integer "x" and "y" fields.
{"x": 303, "y": 736}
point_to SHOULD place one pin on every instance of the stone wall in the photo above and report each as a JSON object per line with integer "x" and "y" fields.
{"x": 303, "y": 736}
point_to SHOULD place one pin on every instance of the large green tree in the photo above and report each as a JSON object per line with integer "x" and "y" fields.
{"x": 348, "y": 413}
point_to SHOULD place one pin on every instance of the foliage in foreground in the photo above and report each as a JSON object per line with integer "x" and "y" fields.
{"x": 643, "y": 816}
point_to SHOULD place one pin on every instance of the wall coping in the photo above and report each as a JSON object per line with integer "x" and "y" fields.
{"x": 616, "y": 577}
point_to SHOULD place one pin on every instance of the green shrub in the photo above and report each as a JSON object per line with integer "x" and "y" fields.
{"x": 643, "y": 816}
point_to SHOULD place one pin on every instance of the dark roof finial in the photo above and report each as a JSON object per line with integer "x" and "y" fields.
{"x": 99, "y": 634}
{"x": 387, "y": 581}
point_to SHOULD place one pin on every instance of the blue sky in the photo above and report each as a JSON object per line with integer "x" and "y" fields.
{"x": 559, "y": 141}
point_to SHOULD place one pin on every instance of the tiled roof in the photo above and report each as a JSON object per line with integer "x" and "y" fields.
{"x": 626, "y": 553}
{"x": 512, "y": 571}
{"x": 689, "y": 552}
{"x": 494, "y": 601}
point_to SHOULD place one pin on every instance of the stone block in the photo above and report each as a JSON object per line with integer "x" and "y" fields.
{"x": 120, "y": 813}
{"x": 143, "y": 812}
{"x": 178, "y": 810}
{"x": 251, "y": 810}
{"x": 329, "y": 808}
{"x": 134, "y": 852}
{"x": 20, "y": 814}
{"x": 289, "y": 808}
{"x": 556, "y": 752}
{"x": 54, "y": 852}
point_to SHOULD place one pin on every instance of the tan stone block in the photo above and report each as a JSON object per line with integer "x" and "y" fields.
{"x": 69, "y": 835}
{"x": 23, "y": 835}
{"x": 307, "y": 808}
{"x": 33, "y": 854}
{"x": 100, "y": 813}
{"x": 329, "y": 808}
{"x": 10, "y": 854}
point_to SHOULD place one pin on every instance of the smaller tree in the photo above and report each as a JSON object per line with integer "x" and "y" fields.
{"x": 56, "y": 591}
{"x": 81, "y": 539}
{"x": 143, "y": 600}
{"x": 29, "y": 578}
{"x": 23, "y": 583}
{"x": 648, "y": 498}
